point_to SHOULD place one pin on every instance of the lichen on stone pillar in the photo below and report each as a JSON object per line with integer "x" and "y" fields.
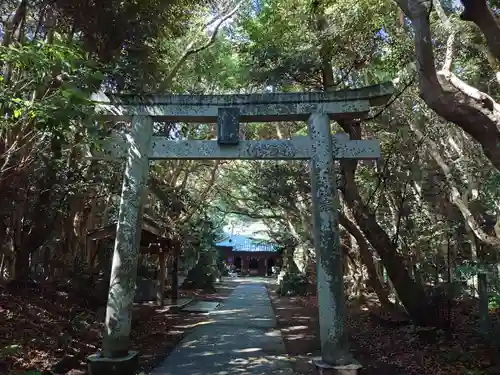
{"x": 327, "y": 243}
{"x": 116, "y": 340}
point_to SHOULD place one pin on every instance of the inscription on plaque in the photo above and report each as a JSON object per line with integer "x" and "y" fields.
{"x": 228, "y": 126}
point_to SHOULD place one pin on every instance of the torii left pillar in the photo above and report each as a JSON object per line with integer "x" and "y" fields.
{"x": 336, "y": 358}
{"x": 116, "y": 358}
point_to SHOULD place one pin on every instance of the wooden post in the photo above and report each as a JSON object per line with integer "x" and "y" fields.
{"x": 161, "y": 276}
{"x": 484, "y": 319}
{"x": 175, "y": 278}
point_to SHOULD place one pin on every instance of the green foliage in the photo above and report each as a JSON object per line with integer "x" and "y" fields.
{"x": 468, "y": 269}
{"x": 491, "y": 189}
{"x": 220, "y": 264}
{"x": 293, "y": 285}
{"x": 9, "y": 350}
{"x": 284, "y": 45}
{"x": 216, "y": 69}
{"x": 48, "y": 89}
{"x": 109, "y": 26}
{"x": 494, "y": 301}
{"x": 204, "y": 274}
{"x": 201, "y": 233}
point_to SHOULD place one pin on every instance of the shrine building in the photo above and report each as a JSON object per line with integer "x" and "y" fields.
{"x": 249, "y": 256}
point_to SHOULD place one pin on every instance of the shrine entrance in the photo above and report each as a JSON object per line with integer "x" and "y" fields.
{"x": 253, "y": 264}
{"x": 320, "y": 147}
{"x": 237, "y": 264}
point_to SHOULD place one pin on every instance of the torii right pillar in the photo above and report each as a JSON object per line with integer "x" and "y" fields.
{"x": 335, "y": 356}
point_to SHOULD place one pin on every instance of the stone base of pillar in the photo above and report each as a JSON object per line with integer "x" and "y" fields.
{"x": 324, "y": 368}
{"x": 99, "y": 365}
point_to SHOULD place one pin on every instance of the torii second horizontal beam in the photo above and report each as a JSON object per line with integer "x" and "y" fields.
{"x": 297, "y": 148}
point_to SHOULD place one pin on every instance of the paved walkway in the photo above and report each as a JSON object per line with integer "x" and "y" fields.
{"x": 241, "y": 338}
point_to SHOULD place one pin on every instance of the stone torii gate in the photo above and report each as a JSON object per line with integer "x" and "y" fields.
{"x": 139, "y": 146}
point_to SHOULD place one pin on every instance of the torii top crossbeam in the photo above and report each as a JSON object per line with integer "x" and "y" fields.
{"x": 252, "y": 107}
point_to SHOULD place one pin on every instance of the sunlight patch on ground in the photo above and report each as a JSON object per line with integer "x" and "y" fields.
{"x": 234, "y": 311}
{"x": 89, "y": 345}
{"x": 296, "y": 337}
{"x": 252, "y": 361}
{"x": 302, "y": 319}
{"x": 191, "y": 344}
{"x": 164, "y": 310}
{"x": 274, "y": 333}
{"x": 175, "y": 332}
{"x": 294, "y": 328}
{"x": 247, "y": 350}
{"x": 260, "y": 319}
{"x": 188, "y": 326}
{"x": 249, "y": 361}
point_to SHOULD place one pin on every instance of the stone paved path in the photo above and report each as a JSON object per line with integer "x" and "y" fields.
{"x": 241, "y": 338}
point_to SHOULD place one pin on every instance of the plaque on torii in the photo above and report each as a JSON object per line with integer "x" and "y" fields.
{"x": 139, "y": 145}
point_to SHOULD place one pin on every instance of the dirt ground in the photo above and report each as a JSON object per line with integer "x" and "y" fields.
{"x": 384, "y": 346}
{"x": 54, "y": 331}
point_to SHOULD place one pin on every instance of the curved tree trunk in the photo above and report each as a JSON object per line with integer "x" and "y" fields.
{"x": 411, "y": 294}
{"x": 478, "y": 12}
{"x": 367, "y": 259}
{"x": 446, "y": 94}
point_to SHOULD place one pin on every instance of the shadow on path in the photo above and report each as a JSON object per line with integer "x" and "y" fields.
{"x": 240, "y": 338}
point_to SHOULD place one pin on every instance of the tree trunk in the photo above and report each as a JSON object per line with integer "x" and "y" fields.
{"x": 47, "y": 263}
{"x": 3, "y": 263}
{"x": 484, "y": 317}
{"x": 161, "y": 277}
{"x": 444, "y": 93}
{"x": 411, "y": 294}
{"x": 175, "y": 278}
{"x": 478, "y": 12}
{"x": 367, "y": 259}
{"x": 21, "y": 264}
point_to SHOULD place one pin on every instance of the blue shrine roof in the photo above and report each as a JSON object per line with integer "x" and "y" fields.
{"x": 245, "y": 243}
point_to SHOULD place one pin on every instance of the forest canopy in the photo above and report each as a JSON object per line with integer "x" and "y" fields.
{"x": 426, "y": 214}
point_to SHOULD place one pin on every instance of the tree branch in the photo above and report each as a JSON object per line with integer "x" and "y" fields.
{"x": 189, "y": 50}
{"x": 448, "y": 60}
{"x": 455, "y": 196}
{"x": 464, "y": 107}
{"x": 204, "y": 194}
{"x": 478, "y": 12}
